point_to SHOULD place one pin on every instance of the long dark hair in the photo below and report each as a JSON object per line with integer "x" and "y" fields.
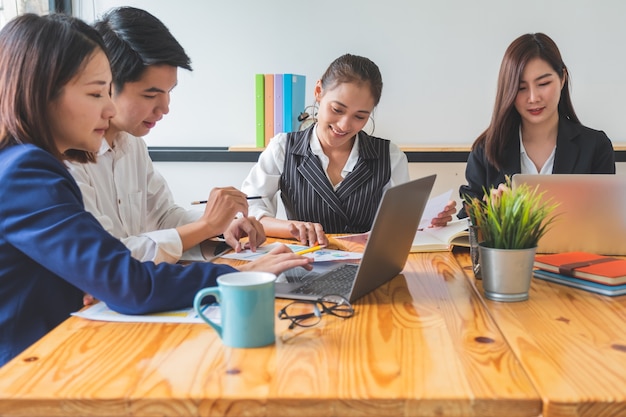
{"x": 39, "y": 55}
{"x": 505, "y": 119}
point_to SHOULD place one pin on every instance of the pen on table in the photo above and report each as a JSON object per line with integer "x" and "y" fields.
{"x": 309, "y": 250}
{"x": 253, "y": 197}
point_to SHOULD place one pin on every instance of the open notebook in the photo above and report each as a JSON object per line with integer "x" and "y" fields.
{"x": 434, "y": 239}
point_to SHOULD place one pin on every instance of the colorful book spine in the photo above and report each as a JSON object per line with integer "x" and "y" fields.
{"x": 269, "y": 108}
{"x": 279, "y": 100}
{"x": 278, "y": 104}
{"x": 610, "y": 290}
{"x": 298, "y": 95}
{"x": 288, "y": 125}
{"x": 259, "y": 90}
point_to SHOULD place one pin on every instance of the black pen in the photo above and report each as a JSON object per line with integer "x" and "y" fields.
{"x": 254, "y": 197}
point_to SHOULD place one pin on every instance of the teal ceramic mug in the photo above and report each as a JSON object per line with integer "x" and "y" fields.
{"x": 246, "y": 303}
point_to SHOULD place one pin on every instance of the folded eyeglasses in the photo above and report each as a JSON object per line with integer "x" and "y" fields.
{"x": 309, "y": 313}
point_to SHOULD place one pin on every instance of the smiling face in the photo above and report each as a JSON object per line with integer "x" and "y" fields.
{"x": 539, "y": 93}
{"x": 141, "y": 104}
{"x": 80, "y": 115}
{"x": 343, "y": 112}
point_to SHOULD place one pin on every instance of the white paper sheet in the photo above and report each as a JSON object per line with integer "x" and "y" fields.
{"x": 101, "y": 312}
{"x": 434, "y": 206}
{"x": 322, "y": 255}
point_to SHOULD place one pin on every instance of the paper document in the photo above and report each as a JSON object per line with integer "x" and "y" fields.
{"x": 101, "y": 312}
{"x": 322, "y": 255}
{"x": 434, "y": 206}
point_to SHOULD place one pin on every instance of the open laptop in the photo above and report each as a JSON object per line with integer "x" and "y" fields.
{"x": 384, "y": 256}
{"x": 590, "y": 216}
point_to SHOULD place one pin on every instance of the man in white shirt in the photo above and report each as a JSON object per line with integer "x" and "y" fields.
{"x": 122, "y": 189}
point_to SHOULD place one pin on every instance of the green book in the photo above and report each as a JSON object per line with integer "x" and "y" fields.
{"x": 259, "y": 90}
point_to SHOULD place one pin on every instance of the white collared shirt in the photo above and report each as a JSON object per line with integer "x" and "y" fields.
{"x": 132, "y": 201}
{"x": 528, "y": 166}
{"x": 264, "y": 177}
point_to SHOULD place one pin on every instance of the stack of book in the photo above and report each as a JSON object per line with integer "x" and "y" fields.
{"x": 279, "y": 100}
{"x": 596, "y": 273}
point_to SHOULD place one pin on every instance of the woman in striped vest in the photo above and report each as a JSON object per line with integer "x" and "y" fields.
{"x": 331, "y": 175}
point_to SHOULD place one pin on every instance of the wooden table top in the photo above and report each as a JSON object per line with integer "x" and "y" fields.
{"x": 421, "y": 345}
{"x": 571, "y": 343}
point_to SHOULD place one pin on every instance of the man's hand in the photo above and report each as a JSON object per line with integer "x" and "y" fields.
{"x": 245, "y": 227}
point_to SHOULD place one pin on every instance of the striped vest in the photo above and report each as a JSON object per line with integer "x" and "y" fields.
{"x": 308, "y": 195}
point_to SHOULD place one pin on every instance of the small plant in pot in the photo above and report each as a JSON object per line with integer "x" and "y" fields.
{"x": 510, "y": 224}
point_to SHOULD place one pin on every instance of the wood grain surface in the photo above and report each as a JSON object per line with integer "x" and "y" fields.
{"x": 421, "y": 345}
{"x": 571, "y": 343}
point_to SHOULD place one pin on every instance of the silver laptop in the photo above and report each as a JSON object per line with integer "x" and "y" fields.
{"x": 591, "y": 216}
{"x": 384, "y": 256}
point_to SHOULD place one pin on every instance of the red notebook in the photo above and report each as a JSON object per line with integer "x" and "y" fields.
{"x": 582, "y": 265}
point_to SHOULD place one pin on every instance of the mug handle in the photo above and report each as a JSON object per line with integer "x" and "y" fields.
{"x": 197, "y": 306}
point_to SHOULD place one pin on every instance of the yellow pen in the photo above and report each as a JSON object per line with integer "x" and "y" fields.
{"x": 309, "y": 250}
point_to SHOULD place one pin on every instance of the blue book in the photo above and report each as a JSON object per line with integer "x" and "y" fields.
{"x": 610, "y": 290}
{"x": 298, "y": 96}
{"x": 287, "y": 102}
{"x": 294, "y": 92}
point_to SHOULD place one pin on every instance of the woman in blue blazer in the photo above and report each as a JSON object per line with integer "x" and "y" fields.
{"x": 534, "y": 129}
{"x": 55, "y": 103}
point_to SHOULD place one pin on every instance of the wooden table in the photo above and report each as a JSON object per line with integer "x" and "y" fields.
{"x": 571, "y": 343}
{"x": 421, "y": 345}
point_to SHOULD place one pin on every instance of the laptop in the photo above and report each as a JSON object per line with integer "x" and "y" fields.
{"x": 384, "y": 256}
{"x": 590, "y": 216}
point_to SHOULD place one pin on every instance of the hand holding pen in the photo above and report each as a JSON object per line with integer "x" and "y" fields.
{"x": 255, "y": 197}
{"x": 226, "y": 213}
{"x": 222, "y": 206}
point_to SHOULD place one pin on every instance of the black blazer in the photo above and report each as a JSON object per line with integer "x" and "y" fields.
{"x": 579, "y": 150}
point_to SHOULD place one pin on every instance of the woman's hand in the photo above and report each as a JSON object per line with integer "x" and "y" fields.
{"x": 278, "y": 260}
{"x": 445, "y": 216}
{"x": 308, "y": 233}
{"x": 496, "y": 193}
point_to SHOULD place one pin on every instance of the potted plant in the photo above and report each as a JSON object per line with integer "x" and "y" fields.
{"x": 510, "y": 223}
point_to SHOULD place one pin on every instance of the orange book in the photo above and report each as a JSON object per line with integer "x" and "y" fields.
{"x": 588, "y": 266}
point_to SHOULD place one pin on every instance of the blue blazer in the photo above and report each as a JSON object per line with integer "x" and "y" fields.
{"x": 579, "y": 150}
{"x": 52, "y": 251}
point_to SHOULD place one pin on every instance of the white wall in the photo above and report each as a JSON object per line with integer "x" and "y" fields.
{"x": 439, "y": 59}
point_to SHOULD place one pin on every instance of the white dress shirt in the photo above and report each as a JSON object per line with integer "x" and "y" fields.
{"x": 264, "y": 177}
{"x": 528, "y": 166}
{"x": 132, "y": 201}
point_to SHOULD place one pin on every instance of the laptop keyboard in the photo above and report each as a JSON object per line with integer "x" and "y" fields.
{"x": 298, "y": 275}
{"x": 337, "y": 281}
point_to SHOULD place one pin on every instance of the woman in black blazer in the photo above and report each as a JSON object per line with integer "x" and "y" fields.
{"x": 534, "y": 128}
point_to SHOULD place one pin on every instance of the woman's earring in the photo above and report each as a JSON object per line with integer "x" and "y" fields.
{"x": 371, "y": 124}
{"x": 308, "y": 116}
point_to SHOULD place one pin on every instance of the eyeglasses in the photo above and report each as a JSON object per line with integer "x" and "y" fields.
{"x": 309, "y": 313}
